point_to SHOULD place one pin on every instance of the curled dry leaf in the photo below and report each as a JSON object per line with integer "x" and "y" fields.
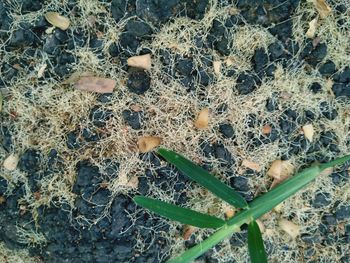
{"x": 322, "y": 7}
{"x": 251, "y": 165}
{"x": 96, "y": 84}
{"x": 57, "y": 20}
{"x": 289, "y": 227}
{"x": 308, "y": 132}
{"x": 312, "y": 28}
{"x": 217, "y": 67}
{"x": 148, "y": 143}
{"x": 143, "y": 61}
{"x": 280, "y": 170}
{"x": 11, "y": 162}
{"x": 202, "y": 120}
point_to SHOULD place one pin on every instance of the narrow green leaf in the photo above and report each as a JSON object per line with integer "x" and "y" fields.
{"x": 335, "y": 162}
{"x": 257, "y": 208}
{"x": 182, "y": 215}
{"x": 205, "y": 179}
{"x": 256, "y": 244}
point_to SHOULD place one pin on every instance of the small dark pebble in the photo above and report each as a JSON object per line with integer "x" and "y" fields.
{"x": 129, "y": 42}
{"x": 239, "y": 239}
{"x": 105, "y": 97}
{"x": 342, "y": 212}
{"x": 90, "y": 135}
{"x": 260, "y": 60}
{"x": 245, "y": 84}
{"x": 311, "y": 239}
{"x": 327, "y": 69}
{"x": 321, "y": 200}
{"x": 329, "y": 220}
{"x": 138, "y": 28}
{"x": 276, "y": 51}
{"x": 327, "y": 137}
{"x": 227, "y": 130}
{"x": 328, "y": 111}
{"x": 315, "y": 87}
{"x": 30, "y": 161}
{"x": 341, "y": 90}
{"x": 134, "y": 119}
{"x": 271, "y": 104}
{"x": 340, "y": 178}
{"x": 222, "y": 108}
{"x": 139, "y": 81}
{"x": 99, "y": 116}
{"x": 184, "y": 66}
{"x": 6, "y": 138}
{"x": 73, "y": 140}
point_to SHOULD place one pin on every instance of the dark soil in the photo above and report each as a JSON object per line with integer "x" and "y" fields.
{"x": 112, "y": 237}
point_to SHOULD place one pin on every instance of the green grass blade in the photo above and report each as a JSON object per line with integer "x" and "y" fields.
{"x": 257, "y": 208}
{"x": 182, "y": 215}
{"x": 256, "y": 244}
{"x": 335, "y": 162}
{"x": 205, "y": 179}
{"x": 194, "y": 252}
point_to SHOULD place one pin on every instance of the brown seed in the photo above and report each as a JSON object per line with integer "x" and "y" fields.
{"x": 11, "y": 162}
{"x": 148, "y": 143}
{"x": 143, "y": 61}
{"x": 251, "y": 165}
{"x": 280, "y": 170}
{"x": 57, "y": 20}
{"x": 312, "y": 28}
{"x": 308, "y": 132}
{"x": 266, "y": 129}
{"x": 202, "y": 120}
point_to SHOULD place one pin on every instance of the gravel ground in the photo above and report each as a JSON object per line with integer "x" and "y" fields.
{"x": 66, "y": 201}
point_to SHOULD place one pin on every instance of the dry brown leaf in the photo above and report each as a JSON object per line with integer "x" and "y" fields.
{"x": 148, "y": 143}
{"x": 217, "y": 67}
{"x": 251, "y": 165}
{"x": 312, "y": 28}
{"x": 322, "y": 7}
{"x": 308, "y": 132}
{"x": 280, "y": 170}
{"x": 57, "y": 20}
{"x": 202, "y": 120}
{"x": 11, "y": 162}
{"x": 143, "y": 61}
{"x": 96, "y": 84}
{"x": 289, "y": 227}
